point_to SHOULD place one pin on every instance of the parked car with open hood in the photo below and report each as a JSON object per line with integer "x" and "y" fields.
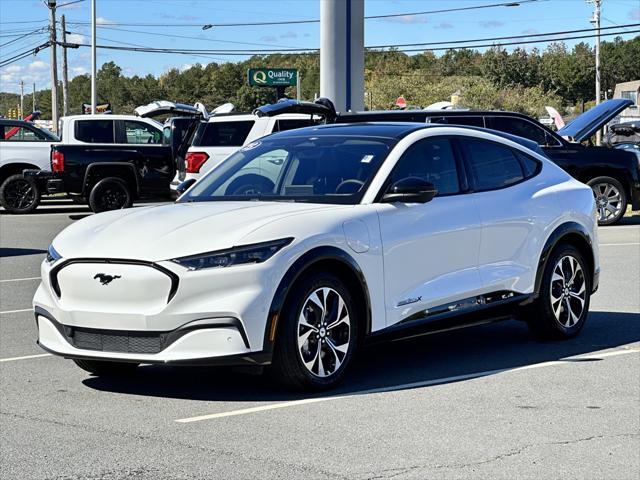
{"x": 613, "y": 174}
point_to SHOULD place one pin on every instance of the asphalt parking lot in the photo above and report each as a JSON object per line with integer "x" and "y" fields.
{"x": 485, "y": 402}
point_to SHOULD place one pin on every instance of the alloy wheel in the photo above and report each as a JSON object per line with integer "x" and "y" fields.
{"x": 608, "y": 201}
{"x": 20, "y": 193}
{"x": 568, "y": 291}
{"x": 324, "y": 332}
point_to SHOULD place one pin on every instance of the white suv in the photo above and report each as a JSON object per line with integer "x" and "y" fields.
{"x": 356, "y": 232}
{"x": 222, "y": 135}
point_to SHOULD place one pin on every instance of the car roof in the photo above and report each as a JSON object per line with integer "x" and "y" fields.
{"x": 420, "y": 115}
{"x": 395, "y": 130}
{"x": 240, "y": 117}
{"x": 14, "y": 122}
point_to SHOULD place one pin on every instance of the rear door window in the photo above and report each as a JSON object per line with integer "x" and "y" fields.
{"x": 522, "y": 128}
{"x": 224, "y": 134}
{"x": 95, "y": 131}
{"x": 492, "y": 166}
{"x": 470, "y": 121}
{"x": 140, "y": 132}
{"x": 290, "y": 124}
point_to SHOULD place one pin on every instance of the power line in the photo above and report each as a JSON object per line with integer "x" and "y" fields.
{"x": 315, "y": 51}
{"x": 20, "y": 56}
{"x": 316, "y": 20}
{"x": 39, "y": 30}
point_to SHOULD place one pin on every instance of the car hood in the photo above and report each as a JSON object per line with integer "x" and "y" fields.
{"x": 585, "y": 125}
{"x": 176, "y": 230}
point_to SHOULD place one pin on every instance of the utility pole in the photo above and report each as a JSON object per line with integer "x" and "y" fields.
{"x": 33, "y": 98}
{"x": 54, "y": 64}
{"x": 21, "y": 98}
{"x": 595, "y": 20}
{"x": 94, "y": 94}
{"x": 65, "y": 72}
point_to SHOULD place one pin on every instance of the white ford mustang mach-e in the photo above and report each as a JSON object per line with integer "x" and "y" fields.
{"x": 305, "y": 244}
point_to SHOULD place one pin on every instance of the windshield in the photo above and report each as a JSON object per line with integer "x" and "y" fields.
{"x": 320, "y": 169}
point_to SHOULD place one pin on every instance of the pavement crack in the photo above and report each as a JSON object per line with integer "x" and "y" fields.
{"x": 242, "y": 456}
{"x": 395, "y": 472}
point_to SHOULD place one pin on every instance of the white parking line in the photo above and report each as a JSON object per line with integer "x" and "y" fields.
{"x": 18, "y": 311}
{"x": 405, "y": 386}
{"x": 27, "y": 357}
{"x": 19, "y": 279}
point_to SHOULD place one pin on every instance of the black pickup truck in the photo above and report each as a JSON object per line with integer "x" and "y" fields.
{"x": 613, "y": 174}
{"x": 111, "y": 175}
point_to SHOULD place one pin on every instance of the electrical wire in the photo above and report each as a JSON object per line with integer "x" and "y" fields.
{"x": 39, "y": 30}
{"x": 20, "y": 56}
{"x": 316, "y": 20}
{"x": 315, "y": 51}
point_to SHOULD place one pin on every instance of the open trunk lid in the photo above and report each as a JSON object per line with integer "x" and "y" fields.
{"x": 165, "y": 107}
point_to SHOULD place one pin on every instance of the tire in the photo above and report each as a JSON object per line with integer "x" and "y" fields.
{"x": 19, "y": 194}
{"x": 327, "y": 350}
{"x": 110, "y": 193}
{"x": 611, "y": 199}
{"x": 565, "y": 291}
{"x": 250, "y": 184}
{"x": 104, "y": 368}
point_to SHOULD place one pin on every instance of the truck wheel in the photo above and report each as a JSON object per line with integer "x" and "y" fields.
{"x": 19, "y": 194}
{"x": 110, "y": 193}
{"x": 611, "y": 201}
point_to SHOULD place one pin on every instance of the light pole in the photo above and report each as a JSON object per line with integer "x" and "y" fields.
{"x": 595, "y": 20}
{"x": 94, "y": 94}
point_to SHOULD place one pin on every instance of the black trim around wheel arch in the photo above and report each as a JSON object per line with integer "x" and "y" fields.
{"x": 554, "y": 239}
{"x": 53, "y": 274}
{"x": 169, "y": 337}
{"x": 91, "y": 167}
{"x": 307, "y": 260}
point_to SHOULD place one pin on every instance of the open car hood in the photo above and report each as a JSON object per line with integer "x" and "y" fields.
{"x": 163, "y": 107}
{"x": 585, "y": 125}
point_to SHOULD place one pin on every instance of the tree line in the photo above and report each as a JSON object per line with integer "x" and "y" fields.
{"x": 522, "y": 80}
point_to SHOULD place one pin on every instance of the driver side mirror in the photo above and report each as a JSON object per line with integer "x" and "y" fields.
{"x": 184, "y": 186}
{"x": 410, "y": 190}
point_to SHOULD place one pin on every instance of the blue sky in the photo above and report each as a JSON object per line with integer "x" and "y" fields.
{"x": 540, "y": 17}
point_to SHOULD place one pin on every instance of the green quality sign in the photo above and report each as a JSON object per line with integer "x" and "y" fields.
{"x": 273, "y": 77}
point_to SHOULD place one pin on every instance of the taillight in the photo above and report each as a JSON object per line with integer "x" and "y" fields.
{"x": 195, "y": 160}
{"x": 57, "y": 161}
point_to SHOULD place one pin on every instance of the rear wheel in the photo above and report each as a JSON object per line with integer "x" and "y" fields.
{"x": 104, "y": 368}
{"x": 611, "y": 200}
{"x": 110, "y": 193}
{"x": 19, "y": 194}
{"x": 318, "y": 334}
{"x": 563, "y": 303}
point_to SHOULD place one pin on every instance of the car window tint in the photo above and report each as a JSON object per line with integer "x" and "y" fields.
{"x": 520, "y": 127}
{"x": 139, "y": 132}
{"x": 432, "y": 160}
{"x": 472, "y": 121}
{"x": 530, "y": 166}
{"x": 290, "y": 124}
{"x": 225, "y": 134}
{"x": 22, "y": 135}
{"x": 95, "y": 131}
{"x": 492, "y": 165}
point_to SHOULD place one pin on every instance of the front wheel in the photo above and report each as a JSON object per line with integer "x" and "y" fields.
{"x": 611, "y": 200}
{"x": 110, "y": 193}
{"x": 563, "y": 303}
{"x": 19, "y": 194}
{"x": 318, "y": 335}
{"x": 105, "y": 368}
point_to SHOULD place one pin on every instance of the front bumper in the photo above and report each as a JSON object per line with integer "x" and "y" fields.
{"x": 220, "y": 341}
{"x": 49, "y": 182}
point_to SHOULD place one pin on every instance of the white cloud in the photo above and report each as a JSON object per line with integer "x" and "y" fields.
{"x": 75, "y": 38}
{"x": 105, "y": 21}
{"x": 78, "y": 71}
{"x": 14, "y": 69}
{"x": 407, "y": 19}
{"x": 186, "y": 66}
{"x": 37, "y": 66}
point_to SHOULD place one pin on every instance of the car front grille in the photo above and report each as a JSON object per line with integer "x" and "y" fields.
{"x": 116, "y": 341}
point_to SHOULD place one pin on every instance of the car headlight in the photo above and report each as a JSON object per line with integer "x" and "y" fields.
{"x": 52, "y": 255}
{"x": 255, "y": 253}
